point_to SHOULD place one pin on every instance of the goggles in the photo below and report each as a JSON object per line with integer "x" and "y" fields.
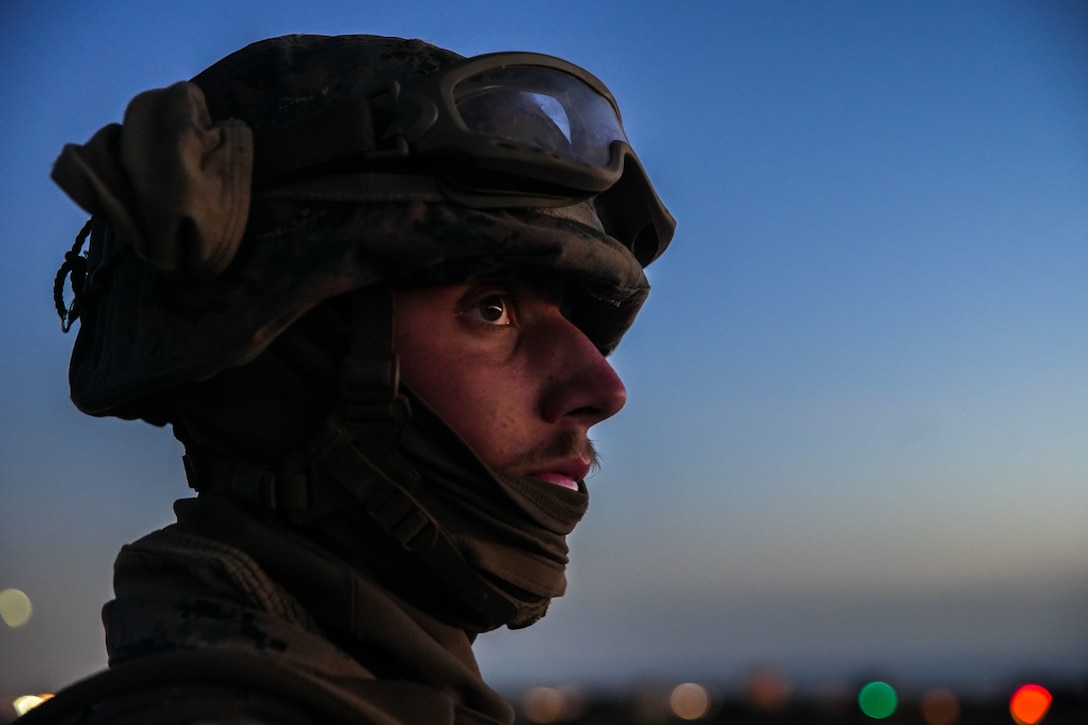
{"x": 497, "y": 130}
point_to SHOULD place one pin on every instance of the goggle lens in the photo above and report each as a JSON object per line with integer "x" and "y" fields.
{"x": 540, "y": 108}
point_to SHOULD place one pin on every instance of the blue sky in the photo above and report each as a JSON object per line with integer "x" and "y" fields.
{"x": 858, "y": 395}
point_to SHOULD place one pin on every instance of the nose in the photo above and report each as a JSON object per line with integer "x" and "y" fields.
{"x": 581, "y": 385}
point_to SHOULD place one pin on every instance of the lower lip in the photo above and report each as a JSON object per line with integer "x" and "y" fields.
{"x": 559, "y": 480}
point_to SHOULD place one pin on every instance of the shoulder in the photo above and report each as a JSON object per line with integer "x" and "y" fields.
{"x": 175, "y": 705}
{"x": 211, "y": 688}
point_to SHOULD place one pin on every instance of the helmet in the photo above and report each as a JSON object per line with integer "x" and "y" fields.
{"x": 347, "y": 161}
{"x": 231, "y": 210}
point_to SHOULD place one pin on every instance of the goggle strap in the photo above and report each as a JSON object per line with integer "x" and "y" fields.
{"x": 315, "y": 140}
{"x": 359, "y": 187}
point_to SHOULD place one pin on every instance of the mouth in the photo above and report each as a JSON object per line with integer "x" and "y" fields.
{"x": 564, "y": 473}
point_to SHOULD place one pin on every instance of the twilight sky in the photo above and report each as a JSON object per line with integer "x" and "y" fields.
{"x": 858, "y": 411}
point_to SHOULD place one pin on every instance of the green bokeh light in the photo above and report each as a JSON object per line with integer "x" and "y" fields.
{"x": 878, "y": 700}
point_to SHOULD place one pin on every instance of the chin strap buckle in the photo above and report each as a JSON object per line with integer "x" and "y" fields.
{"x": 370, "y": 378}
{"x": 344, "y": 458}
{"x": 250, "y": 483}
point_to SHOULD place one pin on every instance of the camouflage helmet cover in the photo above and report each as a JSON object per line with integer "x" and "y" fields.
{"x": 145, "y": 330}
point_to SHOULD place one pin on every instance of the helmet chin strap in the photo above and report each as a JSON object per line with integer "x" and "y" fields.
{"x": 355, "y": 452}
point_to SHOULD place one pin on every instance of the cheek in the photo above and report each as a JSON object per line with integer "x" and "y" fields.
{"x": 487, "y": 409}
{"x": 480, "y": 414}
{"x": 476, "y": 382}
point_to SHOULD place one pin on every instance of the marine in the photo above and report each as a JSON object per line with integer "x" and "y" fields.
{"x": 371, "y": 286}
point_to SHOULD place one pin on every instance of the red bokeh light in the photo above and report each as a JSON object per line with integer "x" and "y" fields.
{"x": 1029, "y": 704}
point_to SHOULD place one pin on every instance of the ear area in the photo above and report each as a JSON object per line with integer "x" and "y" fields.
{"x": 172, "y": 184}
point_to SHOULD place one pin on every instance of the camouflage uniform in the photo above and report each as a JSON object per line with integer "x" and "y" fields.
{"x": 346, "y": 546}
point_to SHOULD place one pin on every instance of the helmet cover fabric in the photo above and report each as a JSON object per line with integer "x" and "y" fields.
{"x": 149, "y": 328}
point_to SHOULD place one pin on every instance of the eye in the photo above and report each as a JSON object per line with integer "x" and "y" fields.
{"x": 493, "y": 309}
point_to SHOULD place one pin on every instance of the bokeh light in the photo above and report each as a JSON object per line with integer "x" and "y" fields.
{"x": 26, "y": 703}
{"x": 543, "y": 705}
{"x": 15, "y": 608}
{"x": 1029, "y": 704}
{"x": 552, "y": 704}
{"x": 878, "y": 700}
{"x": 689, "y": 701}
{"x": 939, "y": 707}
{"x": 835, "y": 697}
{"x": 767, "y": 690}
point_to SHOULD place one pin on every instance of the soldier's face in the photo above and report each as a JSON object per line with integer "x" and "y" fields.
{"x": 506, "y": 369}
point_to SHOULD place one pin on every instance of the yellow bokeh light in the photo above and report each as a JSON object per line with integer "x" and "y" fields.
{"x": 689, "y": 701}
{"x": 544, "y": 705}
{"x": 15, "y": 607}
{"x": 26, "y": 703}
